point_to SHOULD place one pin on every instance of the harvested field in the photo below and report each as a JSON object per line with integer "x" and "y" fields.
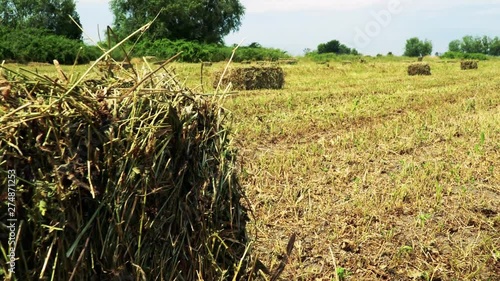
{"x": 381, "y": 176}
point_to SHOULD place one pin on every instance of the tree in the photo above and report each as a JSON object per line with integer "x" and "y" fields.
{"x": 329, "y": 47}
{"x": 416, "y": 48}
{"x": 51, "y": 15}
{"x": 206, "y": 21}
{"x": 334, "y": 46}
{"x": 476, "y": 45}
{"x": 454, "y": 46}
{"x": 471, "y": 45}
{"x": 495, "y": 47}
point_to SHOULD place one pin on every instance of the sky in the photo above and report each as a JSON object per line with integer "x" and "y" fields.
{"x": 372, "y": 27}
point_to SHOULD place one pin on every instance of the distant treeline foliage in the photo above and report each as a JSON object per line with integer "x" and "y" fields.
{"x": 37, "y": 45}
{"x": 196, "y": 52}
{"x": 476, "y": 45}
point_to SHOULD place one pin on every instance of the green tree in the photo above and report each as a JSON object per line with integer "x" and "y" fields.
{"x": 495, "y": 47}
{"x": 471, "y": 45}
{"x": 51, "y": 15}
{"x": 334, "y": 46}
{"x": 476, "y": 45}
{"x": 454, "y": 46}
{"x": 416, "y": 47}
{"x": 206, "y": 21}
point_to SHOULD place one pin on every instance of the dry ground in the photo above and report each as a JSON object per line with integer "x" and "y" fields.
{"x": 382, "y": 176}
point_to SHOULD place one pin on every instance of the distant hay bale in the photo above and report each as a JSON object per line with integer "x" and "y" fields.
{"x": 112, "y": 65}
{"x": 468, "y": 64}
{"x": 362, "y": 61}
{"x": 421, "y": 58}
{"x": 419, "y": 69}
{"x": 207, "y": 63}
{"x": 252, "y": 78}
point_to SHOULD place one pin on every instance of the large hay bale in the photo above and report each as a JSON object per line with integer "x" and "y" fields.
{"x": 468, "y": 64}
{"x": 419, "y": 69}
{"x": 252, "y": 78}
{"x": 120, "y": 184}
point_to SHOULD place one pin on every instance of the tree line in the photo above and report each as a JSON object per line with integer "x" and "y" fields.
{"x": 42, "y": 30}
{"x": 467, "y": 47}
{"x": 45, "y": 25}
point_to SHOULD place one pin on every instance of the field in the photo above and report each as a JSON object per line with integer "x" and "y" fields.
{"x": 380, "y": 175}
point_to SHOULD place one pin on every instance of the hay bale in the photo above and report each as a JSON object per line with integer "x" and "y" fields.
{"x": 121, "y": 184}
{"x": 252, "y": 78}
{"x": 420, "y": 58}
{"x": 468, "y": 64}
{"x": 419, "y": 69}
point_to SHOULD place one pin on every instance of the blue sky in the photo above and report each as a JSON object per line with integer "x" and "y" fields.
{"x": 372, "y": 27}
